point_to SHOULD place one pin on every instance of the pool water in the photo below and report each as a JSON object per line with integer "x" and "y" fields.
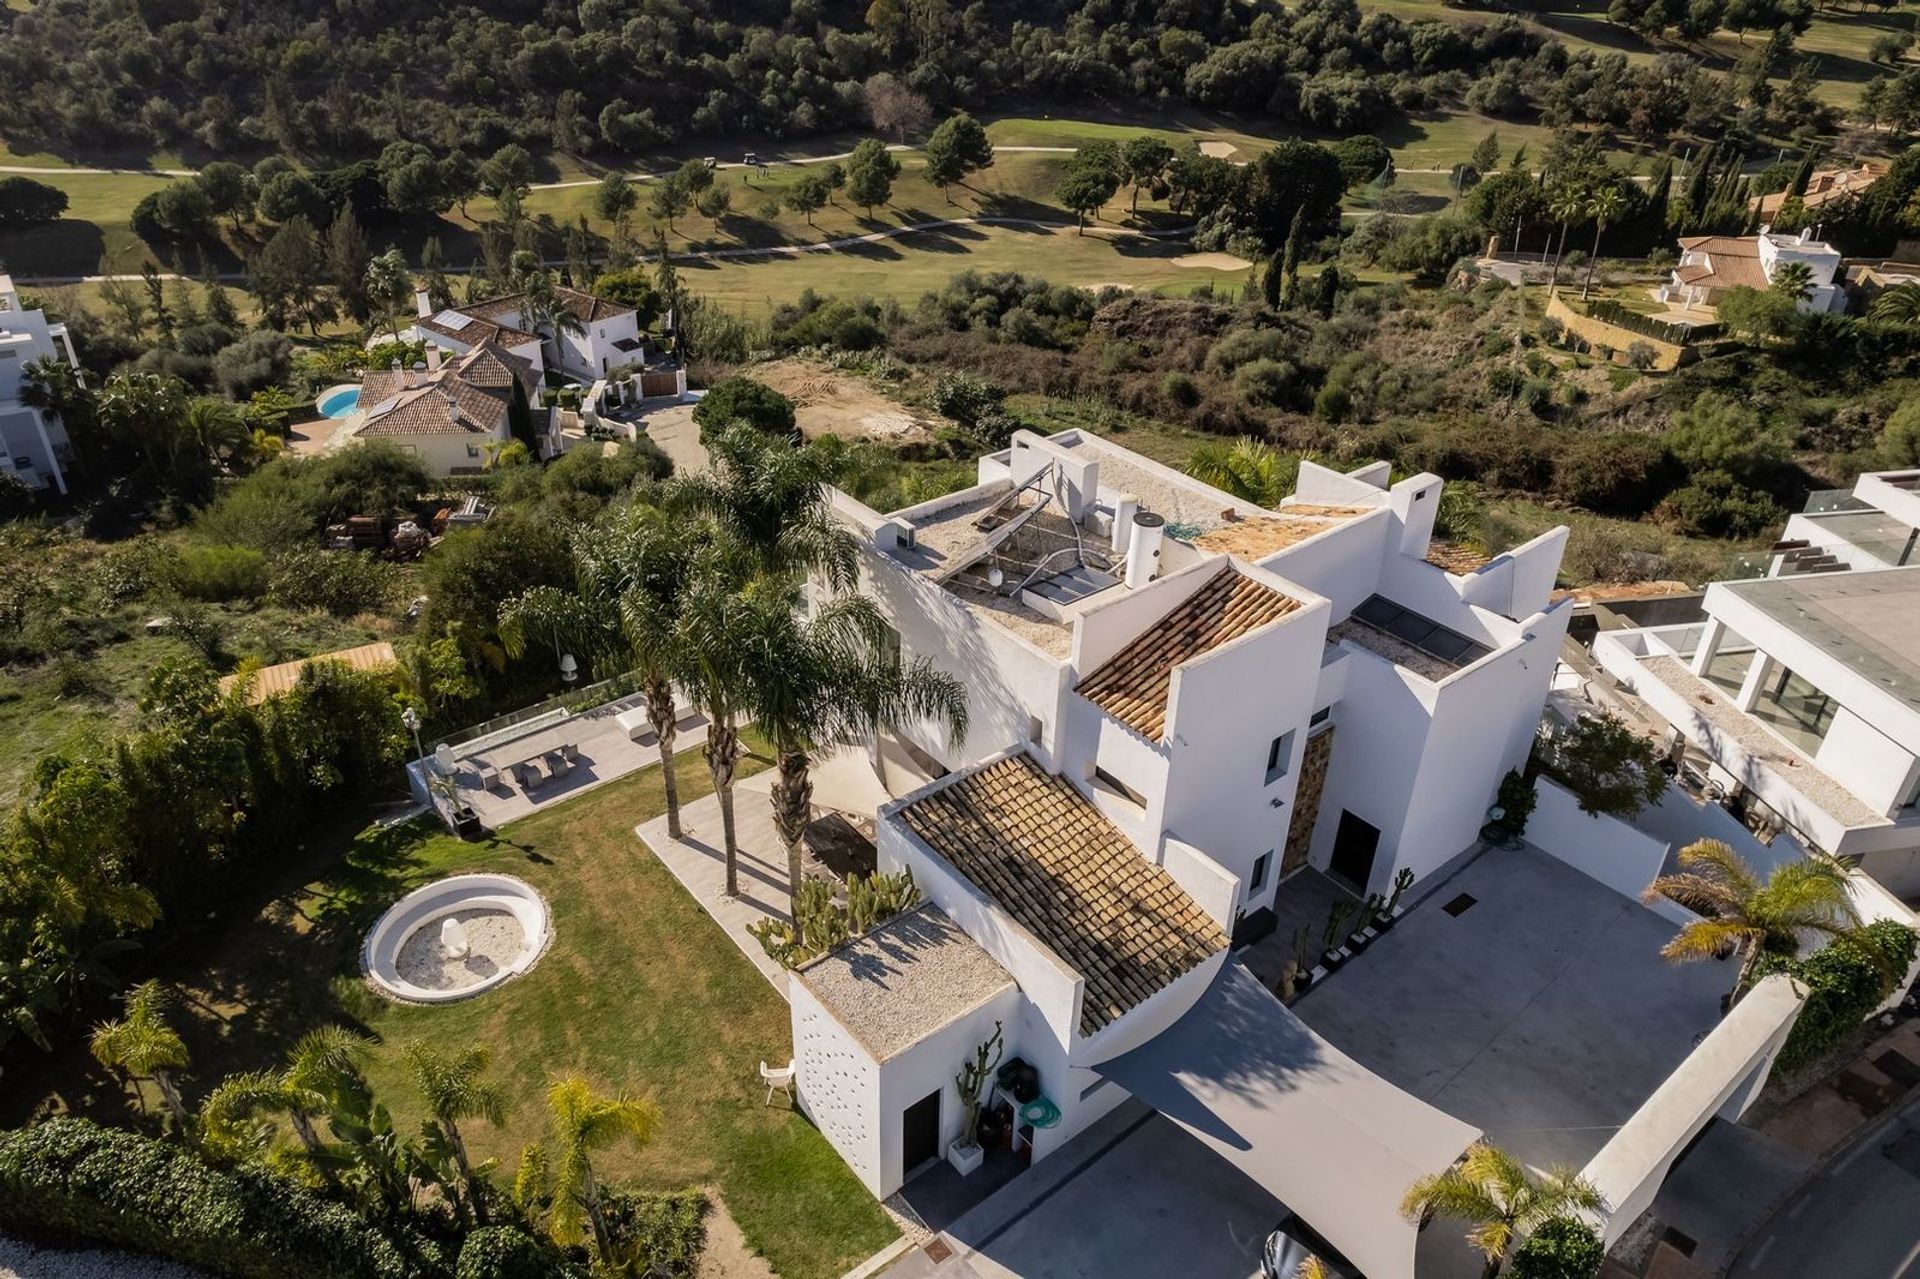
{"x": 341, "y": 403}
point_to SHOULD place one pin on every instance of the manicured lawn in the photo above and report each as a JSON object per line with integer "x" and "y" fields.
{"x": 640, "y": 991}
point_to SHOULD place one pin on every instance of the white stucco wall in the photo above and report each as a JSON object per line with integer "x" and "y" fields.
{"x": 1600, "y": 847}
{"x": 1720, "y": 1077}
{"x": 1341, "y": 564}
{"x": 838, "y": 1082}
{"x": 934, "y": 1063}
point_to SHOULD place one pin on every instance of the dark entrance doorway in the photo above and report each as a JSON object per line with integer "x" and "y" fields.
{"x": 920, "y": 1133}
{"x": 1354, "y": 845}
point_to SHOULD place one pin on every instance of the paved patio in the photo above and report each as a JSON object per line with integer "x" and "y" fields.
{"x": 1541, "y": 1013}
{"x": 606, "y": 753}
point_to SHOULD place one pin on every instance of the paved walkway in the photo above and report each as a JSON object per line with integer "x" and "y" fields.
{"x": 699, "y": 862}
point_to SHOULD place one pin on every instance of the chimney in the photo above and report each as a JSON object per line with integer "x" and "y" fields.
{"x": 1123, "y": 508}
{"x": 422, "y": 303}
{"x": 1147, "y": 533}
{"x": 433, "y": 358}
{"x": 413, "y": 374}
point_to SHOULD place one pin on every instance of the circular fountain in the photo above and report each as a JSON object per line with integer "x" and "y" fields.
{"x": 456, "y": 938}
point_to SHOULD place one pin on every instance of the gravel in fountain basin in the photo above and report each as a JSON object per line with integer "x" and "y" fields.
{"x": 495, "y": 940}
{"x": 507, "y": 928}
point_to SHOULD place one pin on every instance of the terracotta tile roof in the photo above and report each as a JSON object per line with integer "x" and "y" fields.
{"x": 271, "y": 681}
{"x": 476, "y": 330}
{"x": 468, "y": 395}
{"x": 1134, "y": 684}
{"x": 586, "y": 308}
{"x": 1052, "y": 861}
{"x": 1733, "y": 246}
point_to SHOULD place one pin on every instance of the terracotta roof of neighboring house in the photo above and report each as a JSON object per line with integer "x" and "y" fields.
{"x": 1134, "y": 684}
{"x": 471, "y": 330}
{"x": 1262, "y": 535}
{"x": 1067, "y": 875}
{"x": 467, "y": 395}
{"x": 1732, "y": 262}
{"x": 1825, "y": 185}
{"x": 586, "y": 308}
{"x": 271, "y": 681}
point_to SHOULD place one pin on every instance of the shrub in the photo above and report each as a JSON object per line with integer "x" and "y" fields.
{"x": 741, "y": 399}
{"x": 70, "y": 1179}
{"x": 1181, "y": 390}
{"x": 1551, "y": 329}
{"x": 1641, "y": 355}
{"x": 659, "y": 1234}
{"x": 502, "y": 1252}
{"x": 966, "y": 398}
{"x": 1333, "y": 404}
{"x": 1846, "y": 980}
{"x": 1608, "y": 766}
{"x": 1716, "y": 505}
{"x": 1516, "y": 799}
{"x": 1559, "y": 1248}
{"x": 218, "y": 573}
{"x": 1265, "y": 382}
{"x": 1617, "y": 472}
{"x": 339, "y": 582}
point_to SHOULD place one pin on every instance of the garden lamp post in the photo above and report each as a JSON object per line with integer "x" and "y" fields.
{"x": 569, "y": 669}
{"x": 411, "y": 718}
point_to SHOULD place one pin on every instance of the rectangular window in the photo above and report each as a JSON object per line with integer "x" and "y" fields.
{"x": 1114, "y": 785}
{"x": 1258, "y": 880}
{"x": 1320, "y": 717}
{"x": 1280, "y": 757}
{"x": 473, "y": 450}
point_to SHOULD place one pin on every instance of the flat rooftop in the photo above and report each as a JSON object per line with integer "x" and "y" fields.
{"x": 1866, "y": 621}
{"x": 1407, "y": 639}
{"x": 1050, "y": 859}
{"x": 1258, "y": 536}
{"x": 1541, "y": 1013}
{"x": 909, "y": 977}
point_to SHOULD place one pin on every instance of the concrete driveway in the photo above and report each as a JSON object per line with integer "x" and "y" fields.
{"x": 1133, "y": 1197}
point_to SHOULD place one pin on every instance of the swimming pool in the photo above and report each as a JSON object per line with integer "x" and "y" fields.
{"x": 339, "y": 401}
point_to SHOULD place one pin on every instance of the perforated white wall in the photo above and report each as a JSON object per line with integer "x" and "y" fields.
{"x": 840, "y": 1085}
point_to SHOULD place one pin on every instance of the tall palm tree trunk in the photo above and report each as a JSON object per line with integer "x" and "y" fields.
{"x": 1561, "y": 252}
{"x": 1592, "y": 262}
{"x": 170, "y": 1094}
{"x": 792, "y": 804}
{"x": 458, "y": 1145}
{"x": 596, "y": 1216}
{"x": 659, "y": 695}
{"x": 723, "y": 753}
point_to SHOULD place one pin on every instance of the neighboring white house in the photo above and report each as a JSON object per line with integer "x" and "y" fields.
{"x": 1798, "y": 697}
{"x": 609, "y": 336}
{"x": 1713, "y": 265}
{"x": 33, "y": 443}
{"x": 448, "y": 413}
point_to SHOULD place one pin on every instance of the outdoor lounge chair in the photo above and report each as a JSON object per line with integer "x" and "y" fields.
{"x": 557, "y": 764}
{"x": 780, "y": 1080}
{"x": 528, "y": 774}
{"x": 570, "y": 752}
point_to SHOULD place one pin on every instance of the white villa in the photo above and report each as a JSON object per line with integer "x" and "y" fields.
{"x": 1796, "y": 702}
{"x": 1179, "y": 702}
{"x": 1712, "y": 265}
{"x": 609, "y": 336}
{"x": 33, "y": 443}
{"x": 449, "y": 413}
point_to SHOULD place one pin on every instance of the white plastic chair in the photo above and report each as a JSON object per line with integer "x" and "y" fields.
{"x": 780, "y": 1080}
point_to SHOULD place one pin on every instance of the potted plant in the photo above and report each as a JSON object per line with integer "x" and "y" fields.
{"x": 966, "y": 1153}
{"x": 1332, "y": 953}
{"x": 1386, "y": 919}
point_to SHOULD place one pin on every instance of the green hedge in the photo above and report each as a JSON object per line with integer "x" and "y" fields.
{"x": 505, "y": 1252}
{"x": 1846, "y": 979}
{"x": 1610, "y": 311}
{"x": 1561, "y": 1248}
{"x": 73, "y": 1180}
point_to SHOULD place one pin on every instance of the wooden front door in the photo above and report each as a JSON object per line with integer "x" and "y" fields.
{"x": 1306, "y": 801}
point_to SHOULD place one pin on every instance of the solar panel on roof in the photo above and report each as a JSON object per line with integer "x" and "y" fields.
{"x": 1423, "y": 633}
{"x": 453, "y": 319}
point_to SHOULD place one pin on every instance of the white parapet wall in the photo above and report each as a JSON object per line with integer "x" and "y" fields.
{"x": 1719, "y": 1078}
{"x": 1600, "y": 847}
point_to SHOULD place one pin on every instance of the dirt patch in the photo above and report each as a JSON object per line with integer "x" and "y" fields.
{"x": 1218, "y": 150}
{"x": 828, "y": 402}
{"x": 1213, "y": 261}
{"x": 727, "y": 1255}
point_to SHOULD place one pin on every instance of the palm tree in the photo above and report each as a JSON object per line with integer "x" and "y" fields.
{"x": 1793, "y": 280}
{"x": 1606, "y": 205}
{"x": 145, "y": 1047}
{"x": 323, "y": 1067}
{"x": 543, "y": 311}
{"x": 1741, "y": 915}
{"x": 1249, "y": 469}
{"x": 1898, "y": 305}
{"x": 54, "y": 386}
{"x": 1498, "y": 1197}
{"x": 584, "y": 1122}
{"x": 826, "y": 681}
{"x": 215, "y": 429}
{"x": 454, "y": 1091}
{"x": 770, "y": 497}
{"x": 719, "y": 604}
{"x": 1569, "y": 205}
